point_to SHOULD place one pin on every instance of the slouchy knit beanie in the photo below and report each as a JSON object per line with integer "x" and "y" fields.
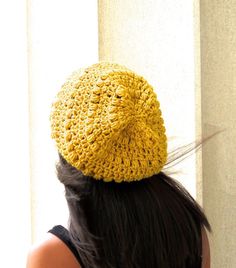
{"x": 106, "y": 121}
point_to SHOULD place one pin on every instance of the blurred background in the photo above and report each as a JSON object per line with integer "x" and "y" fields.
{"x": 186, "y": 49}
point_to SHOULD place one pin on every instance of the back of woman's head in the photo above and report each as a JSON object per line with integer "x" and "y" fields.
{"x": 145, "y": 224}
{"x": 124, "y": 212}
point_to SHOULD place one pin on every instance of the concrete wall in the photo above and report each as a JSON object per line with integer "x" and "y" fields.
{"x": 218, "y": 83}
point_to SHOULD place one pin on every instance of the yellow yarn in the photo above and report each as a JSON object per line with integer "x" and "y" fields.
{"x": 106, "y": 122}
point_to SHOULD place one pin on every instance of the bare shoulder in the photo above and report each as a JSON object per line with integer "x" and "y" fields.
{"x": 51, "y": 252}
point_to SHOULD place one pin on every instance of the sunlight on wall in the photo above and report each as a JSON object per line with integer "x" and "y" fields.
{"x": 156, "y": 39}
{"x": 14, "y": 139}
{"x": 63, "y": 37}
{"x": 59, "y": 36}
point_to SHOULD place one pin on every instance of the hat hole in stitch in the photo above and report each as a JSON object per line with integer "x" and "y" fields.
{"x": 82, "y": 166}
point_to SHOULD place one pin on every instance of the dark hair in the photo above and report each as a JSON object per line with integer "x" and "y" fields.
{"x": 145, "y": 224}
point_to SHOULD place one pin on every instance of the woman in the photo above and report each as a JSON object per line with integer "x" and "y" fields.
{"x": 124, "y": 211}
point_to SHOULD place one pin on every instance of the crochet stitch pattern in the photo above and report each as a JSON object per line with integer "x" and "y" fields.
{"x": 106, "y": 121}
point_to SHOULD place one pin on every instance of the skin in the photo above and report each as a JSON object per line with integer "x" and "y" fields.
{"x": 52, "y": 252}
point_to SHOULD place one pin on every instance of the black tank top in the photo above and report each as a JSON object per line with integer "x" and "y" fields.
{"x": 63, "y": 234}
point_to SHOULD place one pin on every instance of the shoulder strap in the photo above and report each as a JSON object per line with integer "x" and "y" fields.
{"x": 63, "y": 234}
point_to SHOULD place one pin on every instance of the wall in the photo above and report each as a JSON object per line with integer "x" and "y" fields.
{"x": 62, "y": 37}
{"x": 218, "y": 83}
{"x": 14, "y": 135}
{"x": 187, "y": 51}
{"x": 156, "y": 39}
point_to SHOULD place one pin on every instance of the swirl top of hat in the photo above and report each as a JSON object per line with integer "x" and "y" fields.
{"x": 106, "y": 122}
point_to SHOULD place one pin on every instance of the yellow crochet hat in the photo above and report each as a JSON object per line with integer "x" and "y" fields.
{"x": 106, "y": 122}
